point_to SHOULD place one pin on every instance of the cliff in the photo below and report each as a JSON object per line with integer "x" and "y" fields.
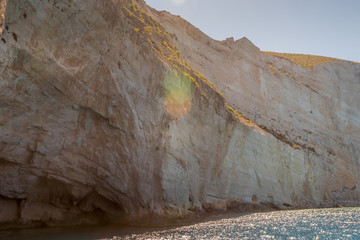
{"x": 112, "y": 111}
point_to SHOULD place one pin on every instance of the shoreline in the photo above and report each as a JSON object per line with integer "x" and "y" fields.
{"x": 120, "y": 229}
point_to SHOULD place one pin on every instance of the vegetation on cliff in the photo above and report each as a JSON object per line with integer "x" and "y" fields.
{"x": 305, "y": 60}
{"x": 164, "y": 44}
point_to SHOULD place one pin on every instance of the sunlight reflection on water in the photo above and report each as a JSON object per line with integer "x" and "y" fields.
{"x": 301, "y": 224}
{"x": 339, "y": 223}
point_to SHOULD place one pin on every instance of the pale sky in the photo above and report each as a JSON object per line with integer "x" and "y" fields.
{"x": 320, "y": 27}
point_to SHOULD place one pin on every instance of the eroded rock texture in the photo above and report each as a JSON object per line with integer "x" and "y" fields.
{"x": 107, "y": 112}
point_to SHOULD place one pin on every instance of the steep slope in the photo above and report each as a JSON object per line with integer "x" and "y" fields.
{"x": 316, "y": 110}
{"x": 105, "y": 116}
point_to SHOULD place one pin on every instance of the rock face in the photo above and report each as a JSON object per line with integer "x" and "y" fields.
{"x": 109, "y": 111}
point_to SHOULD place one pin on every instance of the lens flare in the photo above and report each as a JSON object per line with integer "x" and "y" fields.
{"x": 177, "y": 91}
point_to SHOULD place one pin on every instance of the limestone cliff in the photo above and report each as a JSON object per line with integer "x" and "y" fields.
{"x": 112, "y": 111}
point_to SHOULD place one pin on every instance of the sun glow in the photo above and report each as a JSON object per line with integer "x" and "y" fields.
{"x": 178, "y": 2}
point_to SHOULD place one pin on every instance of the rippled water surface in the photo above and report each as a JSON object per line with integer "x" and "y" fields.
{"x": 340, "y": 223}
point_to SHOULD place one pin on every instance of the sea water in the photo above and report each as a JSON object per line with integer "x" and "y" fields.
{"x": 337, "y": 223}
